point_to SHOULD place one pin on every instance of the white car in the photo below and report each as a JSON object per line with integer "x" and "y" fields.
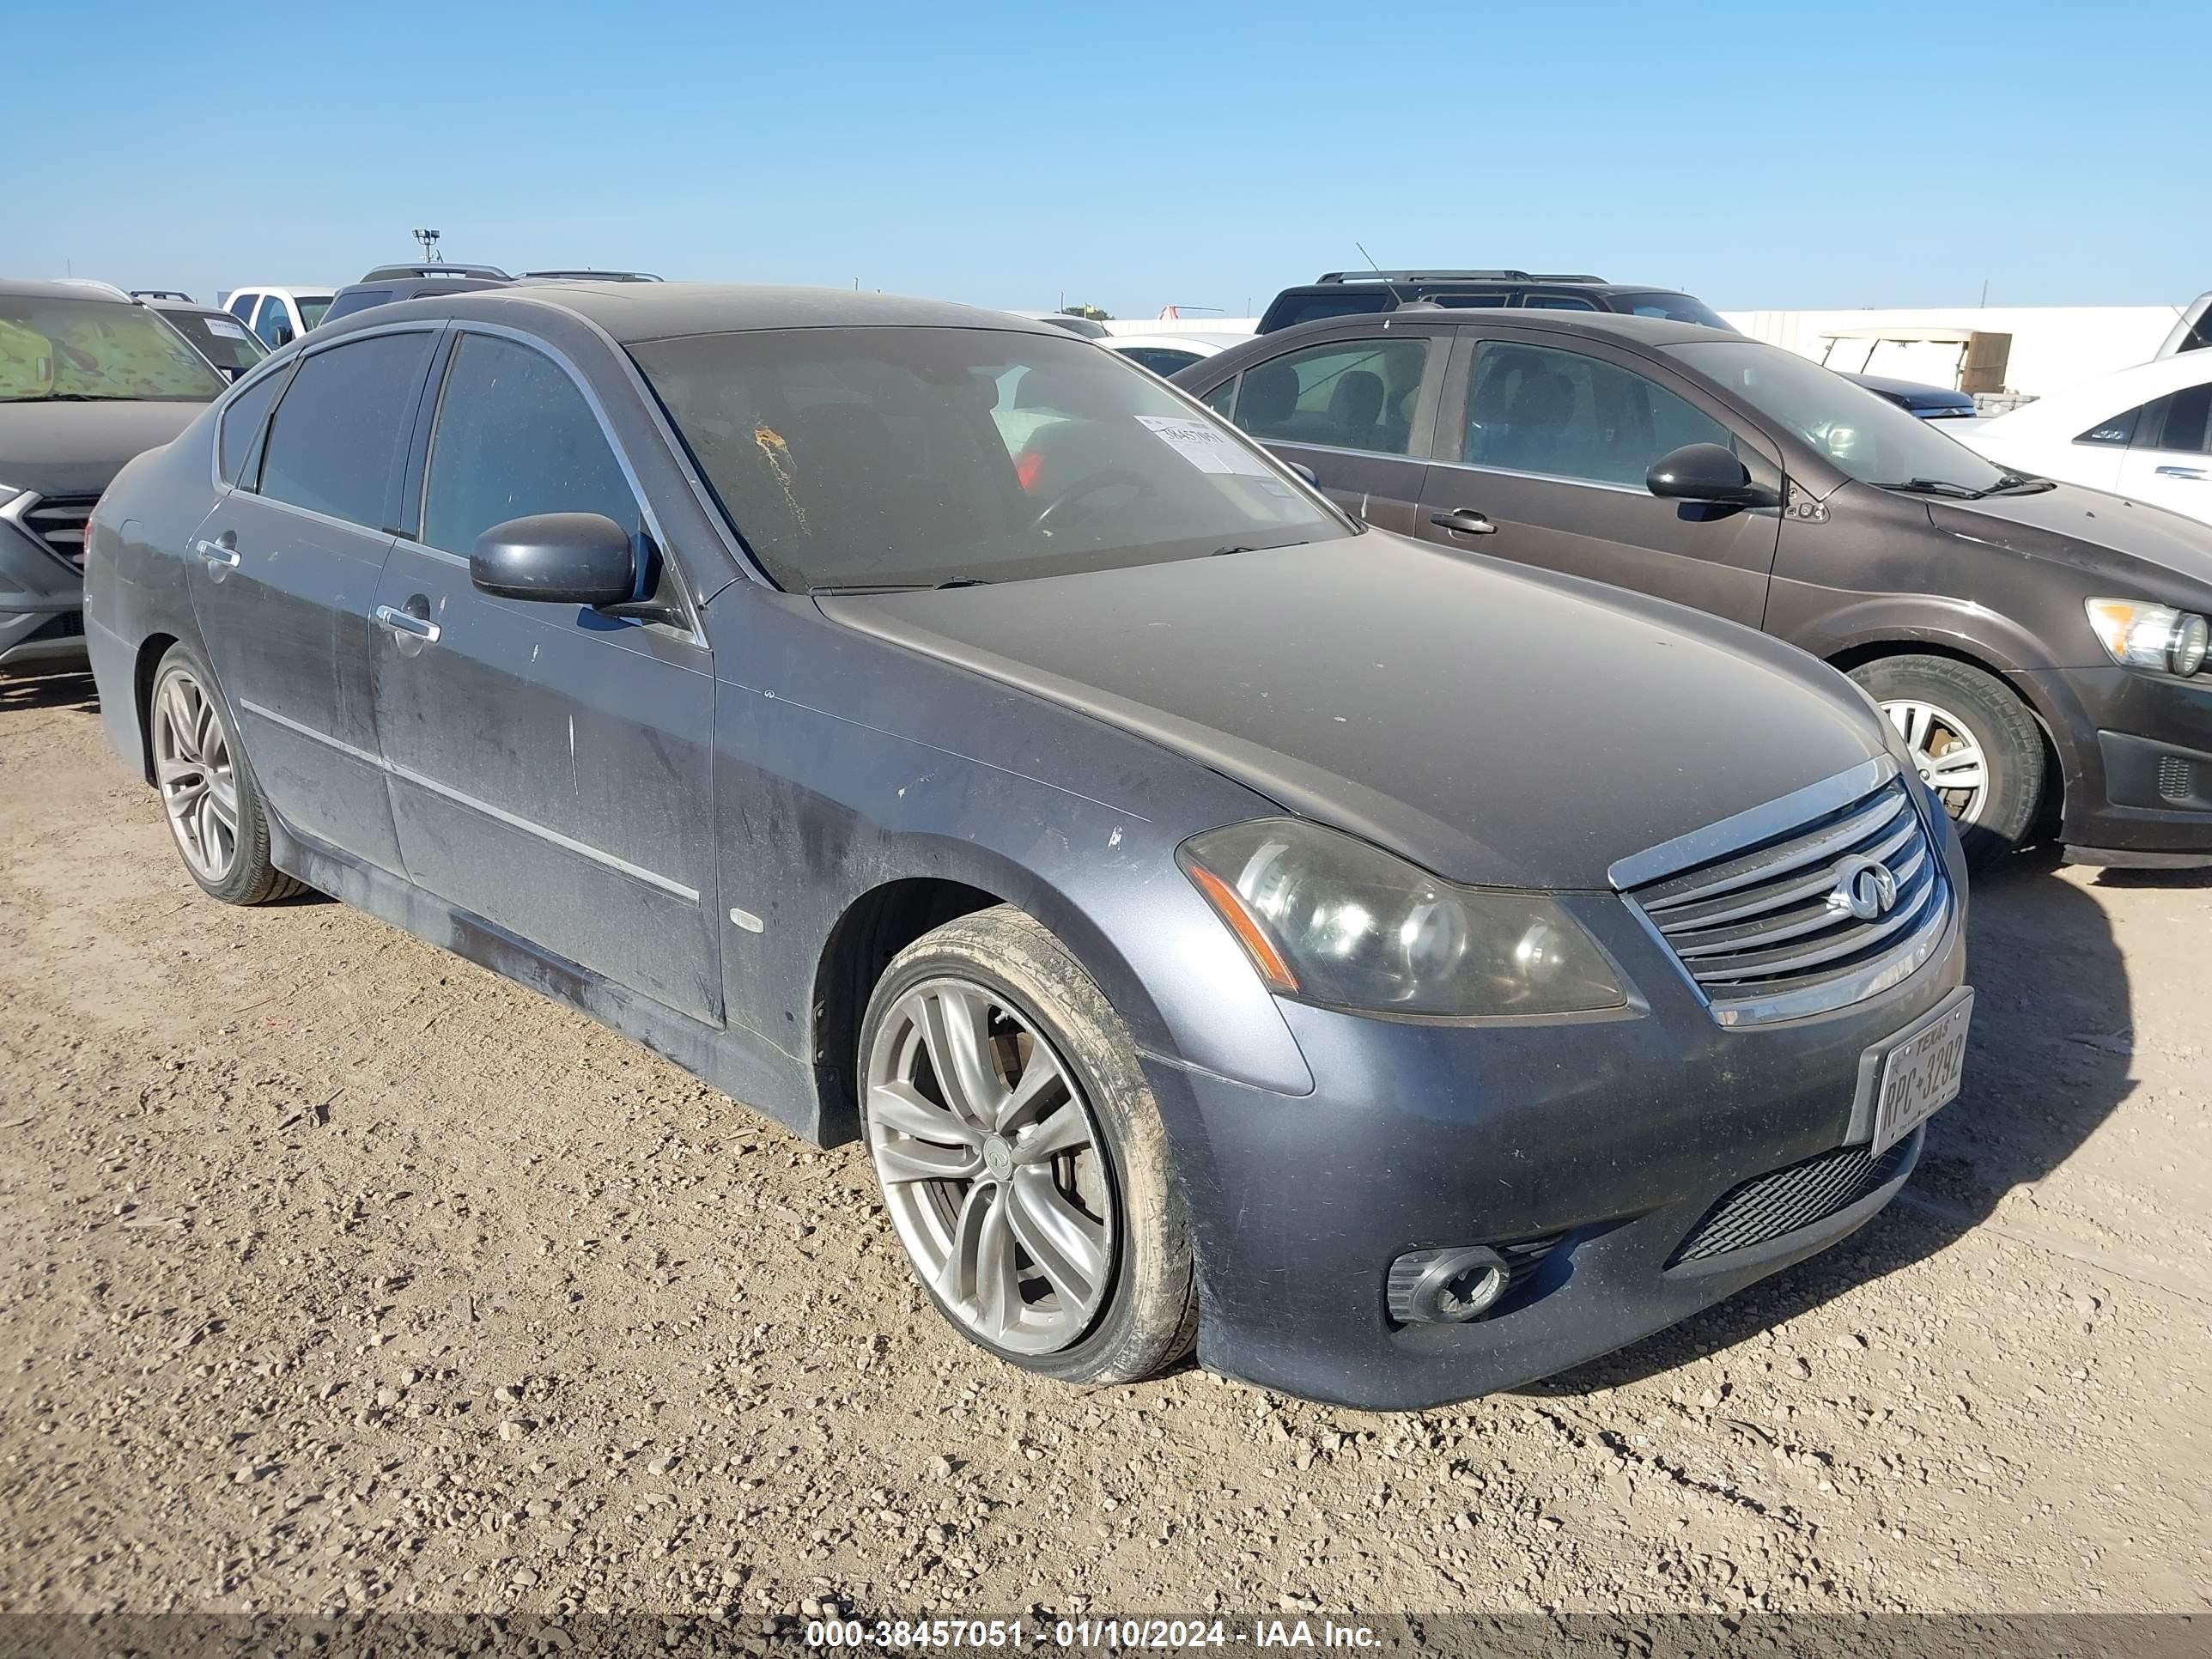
{"x": 1164, "y": 353}
{"x": 280, "y": 315}
{"x": 2145, "y": 432}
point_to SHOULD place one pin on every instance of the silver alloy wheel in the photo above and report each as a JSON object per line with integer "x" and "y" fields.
{"x": 1947, "y": 753}
{"x": 991, "y": 1167}
{"x": 194, "y": 767}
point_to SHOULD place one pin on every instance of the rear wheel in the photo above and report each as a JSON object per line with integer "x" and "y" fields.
{"x": 1975, "y": 745}
{"x": 1021, "y": 1155}
{"x": 215, "y": 810}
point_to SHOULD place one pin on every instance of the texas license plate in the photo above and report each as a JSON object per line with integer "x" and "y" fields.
{"x": 1920, "y": 1074}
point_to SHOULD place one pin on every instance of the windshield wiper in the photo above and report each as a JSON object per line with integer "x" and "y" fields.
{"x": 899, "y": 588}
{"x": 2019, "y": 483}
{"x": 1935, "y": 487}
{"x": 64, "y": 397}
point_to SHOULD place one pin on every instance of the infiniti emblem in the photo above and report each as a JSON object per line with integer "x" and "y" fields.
{"x": 1864, "y": 888}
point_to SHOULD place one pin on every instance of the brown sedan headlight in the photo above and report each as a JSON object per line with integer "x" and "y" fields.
{"x": 2136, "y": 634}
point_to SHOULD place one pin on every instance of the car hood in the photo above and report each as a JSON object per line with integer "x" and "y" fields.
{"x": 76, "y": 449}
{"x": 2160, "y": 551}
{"x": 1497, "y": 726}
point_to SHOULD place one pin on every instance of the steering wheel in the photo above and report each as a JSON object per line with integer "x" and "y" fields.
{"x": 1063, "y": 504}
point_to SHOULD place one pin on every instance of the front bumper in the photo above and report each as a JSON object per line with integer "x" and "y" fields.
{"x": 41, "y": 600}
{"x": 1618, "y": 1135}
{"x": 2136, "y": 753}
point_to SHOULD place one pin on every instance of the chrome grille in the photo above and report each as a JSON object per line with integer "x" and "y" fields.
{"x": 59, "y": 522}
{"x": 1769, "y": 929}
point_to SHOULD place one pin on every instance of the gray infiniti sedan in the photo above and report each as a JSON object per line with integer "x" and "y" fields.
{"x": 1222, "y": 921}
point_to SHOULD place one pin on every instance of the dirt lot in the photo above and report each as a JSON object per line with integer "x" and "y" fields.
{"x": 337, "y": 1271}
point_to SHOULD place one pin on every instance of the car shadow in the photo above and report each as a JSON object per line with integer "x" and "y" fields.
{"x": 73, "y": 691}
{"x": 2047, "y": 1063}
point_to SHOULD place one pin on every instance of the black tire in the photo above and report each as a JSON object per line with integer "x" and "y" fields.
{"x": 1999, "y": 722}
{"x": 251, "y": 878}
{"x": 1149, "y": 1318}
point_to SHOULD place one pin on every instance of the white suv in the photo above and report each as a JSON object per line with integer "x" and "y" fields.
{"x": 279, "y": 315}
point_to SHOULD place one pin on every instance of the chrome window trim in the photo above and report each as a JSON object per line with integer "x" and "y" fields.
{"x": 284, "y": 359}
{"x": 568, "y": 843}
{"x": 1546, "y": 478}
{"x": 1335, "y": 449}
{"x": 1770, "y": 818}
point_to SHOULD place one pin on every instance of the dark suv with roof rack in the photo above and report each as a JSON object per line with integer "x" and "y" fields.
{"x": 388, "y": 284}
{"x": 1363, "y": 292}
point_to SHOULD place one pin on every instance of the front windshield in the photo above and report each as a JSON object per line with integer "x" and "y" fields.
{"x": 312, "y": 308}
{"x": 219, "y": 338}
{"x": 76, "y": 351}
{"x": 891, "y": 457}
{"x": 1862, "y": 436}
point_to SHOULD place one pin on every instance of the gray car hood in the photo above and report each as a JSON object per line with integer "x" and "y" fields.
{"x": 2111, "y": 535}
{"x": 76, "y": 449}
{"x": 1495, "y": 725}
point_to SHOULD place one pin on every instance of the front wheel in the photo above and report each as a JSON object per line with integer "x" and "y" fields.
{"x": 1021, "y": 1154}
{"x": 1974, "y": 743}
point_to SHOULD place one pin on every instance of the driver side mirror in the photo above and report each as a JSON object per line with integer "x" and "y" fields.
{"x": 559, "y": 558}
{"x": 1707, "y": 472}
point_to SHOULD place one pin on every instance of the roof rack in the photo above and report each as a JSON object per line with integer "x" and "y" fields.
{"x": 434, "y": 268}
{"x": 161, "y": 294}
{"x": 593, "y": 275}
{"x": 1453, "y": 277}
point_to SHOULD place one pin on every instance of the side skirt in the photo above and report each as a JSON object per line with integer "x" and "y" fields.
{"x": 741, "y": 1064}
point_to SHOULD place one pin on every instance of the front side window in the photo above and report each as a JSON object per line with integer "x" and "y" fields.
{"x": 87, "y": 350}
{"x": 334, "y": 441}
{"x": 1855, "y": 432}
{"x": 1348, "y": 394}
{"x": 514, "y": 436}
{"x": 2178, "y": 421}
{"x": 1533, "y": 409}
{"x": 916, "y": 455}
{"x": 2119, "y": 430}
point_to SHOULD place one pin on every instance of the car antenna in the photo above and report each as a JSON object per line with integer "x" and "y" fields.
{"x": 1365, "y": 255}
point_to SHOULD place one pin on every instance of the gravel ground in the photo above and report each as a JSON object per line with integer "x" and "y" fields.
{"x": 340, "y": 1273}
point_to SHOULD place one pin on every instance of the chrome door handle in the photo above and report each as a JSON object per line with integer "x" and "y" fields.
{"x": 1465, "y": 521}
{"x": 402, "y": 622}
{"x": 215, "y": 552}
{"x": 2196, "y": 472}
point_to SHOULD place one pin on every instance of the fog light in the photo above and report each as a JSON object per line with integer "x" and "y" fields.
{"x": 1447, "y": 1286}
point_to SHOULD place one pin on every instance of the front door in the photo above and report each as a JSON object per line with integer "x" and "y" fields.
{"x": 551, "y": 768}
{"x": 283, "y": 571}
{"x": 2169, "y": 463}
{"x": 1354, "y": 410}
{"x": 1540, "y": 456}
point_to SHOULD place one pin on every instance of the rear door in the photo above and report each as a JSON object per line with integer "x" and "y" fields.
{"x": 2168, "y": 462}
{"x": 1357, "y": 408}
{"x": 1542, "y": 441}
{"x": 551, "y": 766}
{"x": 285, "y": 570}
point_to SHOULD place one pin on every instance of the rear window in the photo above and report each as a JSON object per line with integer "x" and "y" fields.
{"x": 353, "y": 300}
{"x": 312, "y": 308}
{"x": 1674, "y": 307}
{"x": 1290, "y": 309}
{"x": 334, "y": 441}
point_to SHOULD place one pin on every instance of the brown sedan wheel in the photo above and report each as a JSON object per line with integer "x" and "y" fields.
{"x": 1021, "y": 1155}
{"x": 1975, "y": 745}
{"x": 215, "y": 811}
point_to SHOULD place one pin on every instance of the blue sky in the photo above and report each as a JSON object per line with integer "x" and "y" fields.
{"x": 1778, "y": 154}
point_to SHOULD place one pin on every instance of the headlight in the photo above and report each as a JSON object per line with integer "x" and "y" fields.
{"x": 2156, "y": 636}
{"x": 1331, "y": 920}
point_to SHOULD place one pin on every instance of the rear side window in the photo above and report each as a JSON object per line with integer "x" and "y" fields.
{"x": 514, "y": 436}
{"x": 241, "y": 425}
{"x": 335, "y": 443}
{"x": 2120, "y": 430}
{"x": 1558, "y": 302}
{"x": 1348, "y": 394}
{"x": 1532, "y": 408}
{"x": 242, "y": 305}
{"x": 2180, "y": 421}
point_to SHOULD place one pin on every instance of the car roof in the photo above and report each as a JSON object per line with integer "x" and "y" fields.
{"x": 1624, "y": 326}
{"x": 636, "y": 312}
{"x": 15, "y": 288}
{"x": 189, "y": 305}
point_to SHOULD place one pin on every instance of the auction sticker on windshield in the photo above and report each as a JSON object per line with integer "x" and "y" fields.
{"x": 1920, "y": 1074}
{"x": 1208, "y": 448}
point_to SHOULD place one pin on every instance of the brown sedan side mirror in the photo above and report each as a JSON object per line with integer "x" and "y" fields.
{"x": 1707, "y": 472}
